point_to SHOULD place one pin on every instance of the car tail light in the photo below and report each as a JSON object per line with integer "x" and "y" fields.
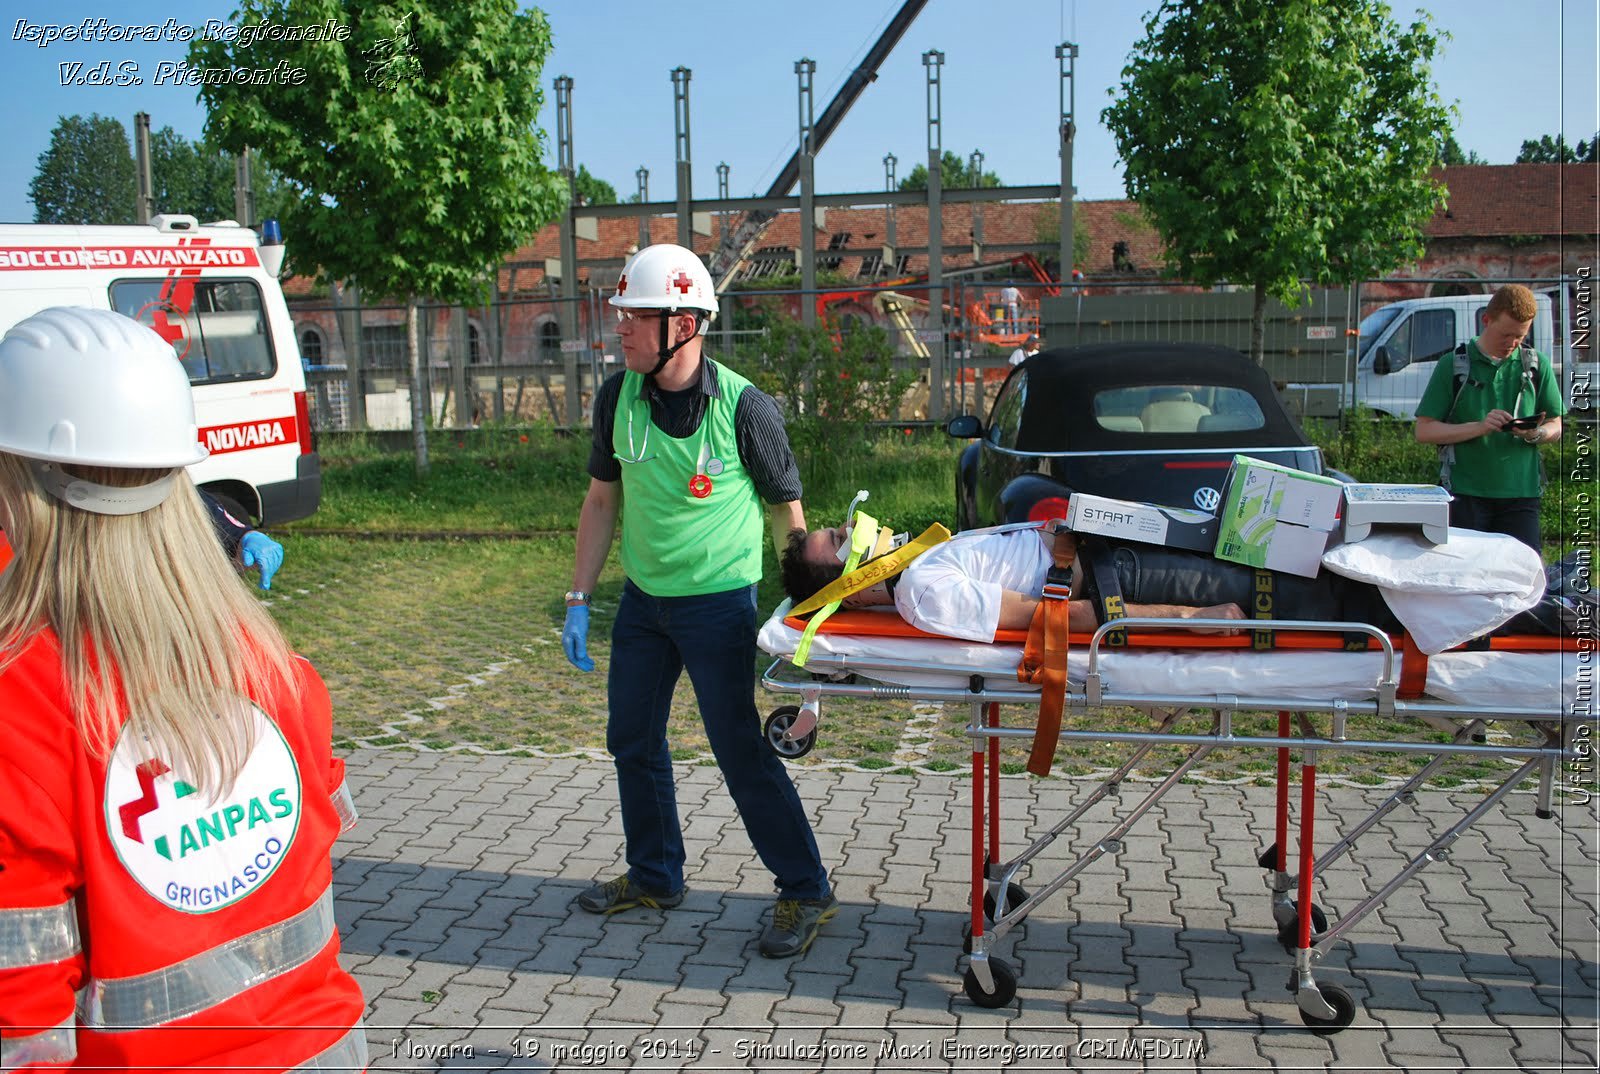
{"x": 1048, "y": 508}
{"x": 302, "y": 423}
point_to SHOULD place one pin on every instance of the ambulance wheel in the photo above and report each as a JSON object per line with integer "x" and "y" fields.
{"x": 1016, "y": 895}
{"x": 1289, "y": 931}
{"x": 1344, "y": 1012}
{"x": 1005, "y": 986}
{"x": 780, "y": 721}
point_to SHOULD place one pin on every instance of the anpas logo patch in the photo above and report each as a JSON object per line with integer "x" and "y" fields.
{"x": 194, "y": 852}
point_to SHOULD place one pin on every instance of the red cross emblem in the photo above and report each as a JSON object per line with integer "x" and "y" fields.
{"x": 682, "y": 282}
{"x": 622, "y": 284}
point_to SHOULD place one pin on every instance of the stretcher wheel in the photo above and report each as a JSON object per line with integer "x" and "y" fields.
{"x": 780, "y": 721}
{"x": 1005, "y": 986}
{"x": 1016, "y": 895}
{"x": 1344, "y": 1011}
{"x": 1289, "y": 931}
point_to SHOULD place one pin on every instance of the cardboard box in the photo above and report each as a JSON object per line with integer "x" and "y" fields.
{"x": 1174, "y": 527}
{"x": 1277, "y": 518}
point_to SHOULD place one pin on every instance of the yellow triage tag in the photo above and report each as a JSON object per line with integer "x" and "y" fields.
{"x": 854, "y": 579}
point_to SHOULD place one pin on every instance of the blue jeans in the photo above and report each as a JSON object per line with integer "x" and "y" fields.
{"x": 713, "y": 637}
{"x": 1515, "y": 516}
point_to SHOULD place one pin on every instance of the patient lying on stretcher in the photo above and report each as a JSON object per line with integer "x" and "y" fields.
{"x": 981, "y": 581}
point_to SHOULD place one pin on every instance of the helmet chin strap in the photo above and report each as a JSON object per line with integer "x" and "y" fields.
{"x": 664, "y": 353}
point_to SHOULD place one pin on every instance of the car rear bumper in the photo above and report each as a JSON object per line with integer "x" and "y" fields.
{"x": 285, "y": 501}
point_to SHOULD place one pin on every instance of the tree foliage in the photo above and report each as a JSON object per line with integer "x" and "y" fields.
{"x": 198, "y": 178}
{"x": 86, "y": 176}
{"x": 89, "y": 176}
{"x": 1450, "y": 151}
{"x": 832, "y": 380}
{"x": 954, "y": 173}
{"x": 592, "y": 191}
{"x": 1281, "y": 141}
{"x": 411, "y": 144}
{"x": 1554, "y": 150}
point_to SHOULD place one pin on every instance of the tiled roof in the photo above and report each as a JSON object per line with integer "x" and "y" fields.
{"x": 1518, "y": 199}
{"x": 1484, "y": 201}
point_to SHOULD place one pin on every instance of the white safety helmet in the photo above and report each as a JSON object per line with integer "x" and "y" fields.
{"x": 666, "y": 277}
{"x": 97, "y": 388}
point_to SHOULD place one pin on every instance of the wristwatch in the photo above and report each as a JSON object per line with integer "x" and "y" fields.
{"x": 576, "y": 596}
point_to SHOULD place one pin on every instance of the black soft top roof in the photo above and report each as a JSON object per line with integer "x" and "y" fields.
{"x": 1058, "y": 411}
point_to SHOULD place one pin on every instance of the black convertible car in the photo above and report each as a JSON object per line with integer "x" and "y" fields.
{"x": 1156, "y": 422}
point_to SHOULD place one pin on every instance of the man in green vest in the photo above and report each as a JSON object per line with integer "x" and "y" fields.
{"x": 688, "y": 453}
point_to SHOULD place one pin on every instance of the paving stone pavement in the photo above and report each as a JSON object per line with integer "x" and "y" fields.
{"x": 455, "y": 901}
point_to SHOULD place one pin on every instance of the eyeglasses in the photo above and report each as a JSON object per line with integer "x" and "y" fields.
{"x": 631, "y": 316}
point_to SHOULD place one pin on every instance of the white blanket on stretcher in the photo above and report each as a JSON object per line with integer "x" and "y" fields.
{"x": 1445, "y": 594}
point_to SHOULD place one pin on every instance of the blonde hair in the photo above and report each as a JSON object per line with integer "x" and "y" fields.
{"x": 1514, "y": 299}
{"x": 156, "y": 629}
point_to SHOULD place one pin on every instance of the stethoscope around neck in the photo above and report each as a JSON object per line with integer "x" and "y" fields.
{"x": 707, "y": 465}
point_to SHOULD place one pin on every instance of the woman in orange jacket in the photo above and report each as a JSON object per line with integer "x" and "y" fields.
{"x": 170, "y": 793}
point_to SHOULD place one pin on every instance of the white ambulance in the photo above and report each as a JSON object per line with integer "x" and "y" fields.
{"x": 212, "y": 291}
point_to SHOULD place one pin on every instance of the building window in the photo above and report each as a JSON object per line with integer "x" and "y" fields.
{"x": 311, "y": 348}
{"x": 384, "y": 346}
{"x": 474, "y": 344}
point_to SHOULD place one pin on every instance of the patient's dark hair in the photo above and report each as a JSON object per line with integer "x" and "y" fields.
{"x": 802, "y": 579}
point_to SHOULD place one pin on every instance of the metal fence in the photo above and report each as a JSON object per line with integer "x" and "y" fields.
{"x": 540, "y": 359}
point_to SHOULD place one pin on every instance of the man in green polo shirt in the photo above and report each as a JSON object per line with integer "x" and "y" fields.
{"x": 695, "y": 462}
{"x": 1493, "y": 421}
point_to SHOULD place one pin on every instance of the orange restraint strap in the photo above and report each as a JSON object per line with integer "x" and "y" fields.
{"x": 1044, "y": 657}
{"x": 1413, "y": 669}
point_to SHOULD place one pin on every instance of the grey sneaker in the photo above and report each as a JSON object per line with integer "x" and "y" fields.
{"x": 623, "y": 894}
{"x": 795, "y": 923}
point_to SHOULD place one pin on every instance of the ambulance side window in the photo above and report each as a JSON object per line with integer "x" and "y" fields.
{"x": 217, "y": 328}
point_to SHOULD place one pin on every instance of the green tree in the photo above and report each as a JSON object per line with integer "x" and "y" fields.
{"x": 1555, "y": 150}
{"x": 1047, "y": 231}
{"x": 86, "y": 176}
{"x": 1450, "y": 151}
{"x": 198, "y": 178}
{"x": 1279, "y": 141}
{"x": 411, "y": 144}
{"x": 592, "y": 191}
{"x": 954, "y": 173}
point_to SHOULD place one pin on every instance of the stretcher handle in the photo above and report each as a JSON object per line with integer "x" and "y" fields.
{"x": 1246, "y": 624}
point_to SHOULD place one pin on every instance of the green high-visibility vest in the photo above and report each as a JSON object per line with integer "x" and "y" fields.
{"x": 676, "y": 543}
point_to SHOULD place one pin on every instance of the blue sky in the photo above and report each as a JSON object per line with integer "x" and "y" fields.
{"x": 1515, "y": 70}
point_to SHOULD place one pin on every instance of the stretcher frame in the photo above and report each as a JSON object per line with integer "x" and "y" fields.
{"x": 999, "y": 904}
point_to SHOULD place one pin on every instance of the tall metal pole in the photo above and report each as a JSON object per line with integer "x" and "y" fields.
{"x": 569, "y": 248}
{"x": 933, "y": 60}
{"x": 643, "y": 175}
{"x": 725, "y": 314}
{"x": 144, "y": 207}
{"x": 680, "y": 114}
{"x": 1066, "y": 53}
{"x": 975, "y": 169}
{"x": 244, "y": 198}
{"x": 805, "y": 70}
{"x": 891, "y": 256}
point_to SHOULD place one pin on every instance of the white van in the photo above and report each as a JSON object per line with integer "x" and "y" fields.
{"x": 1401, "y": 343}
{"x": 213, "y": 292}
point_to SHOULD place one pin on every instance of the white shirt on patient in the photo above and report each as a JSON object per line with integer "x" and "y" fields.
{"x": 954, "y": 588}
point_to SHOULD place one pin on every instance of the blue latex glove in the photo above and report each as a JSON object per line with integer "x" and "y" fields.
{"x": 259, "y": 550}
{"x": 575, "y": 637}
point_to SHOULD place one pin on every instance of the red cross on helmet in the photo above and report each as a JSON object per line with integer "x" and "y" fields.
{"x": 666, "y": 277}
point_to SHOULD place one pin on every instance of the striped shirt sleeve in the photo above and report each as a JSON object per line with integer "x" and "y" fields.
{"x": 764, "y": 447}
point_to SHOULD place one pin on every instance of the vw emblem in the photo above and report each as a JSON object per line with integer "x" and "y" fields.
{"x": 1207, "y": 498}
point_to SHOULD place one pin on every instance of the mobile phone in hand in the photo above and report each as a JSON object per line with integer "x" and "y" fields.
{"x": 1522, "y": 425}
